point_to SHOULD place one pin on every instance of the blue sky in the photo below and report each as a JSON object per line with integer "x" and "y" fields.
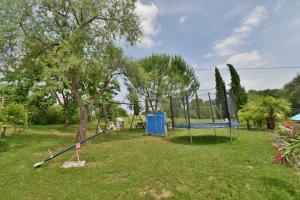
{"x": 208, "y": 33}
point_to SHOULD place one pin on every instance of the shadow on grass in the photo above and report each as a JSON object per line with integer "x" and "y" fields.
{"x": 3, "y": 146}
{"x": 59, "y": 139}
{"x": 279, "y": 184}
{"x": 19, "y": 141}
{"x": 201, "y": 139}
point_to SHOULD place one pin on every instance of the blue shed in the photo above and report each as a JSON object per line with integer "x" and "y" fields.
{"x": 156, "y": 124}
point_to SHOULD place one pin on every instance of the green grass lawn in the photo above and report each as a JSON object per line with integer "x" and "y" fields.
{"x": 128, "y": 165}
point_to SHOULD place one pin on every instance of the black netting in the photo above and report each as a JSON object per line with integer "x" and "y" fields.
{"x": 202, "y": 108}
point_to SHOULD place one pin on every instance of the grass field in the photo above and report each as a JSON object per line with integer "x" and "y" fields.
{"x": 128, "y": 165}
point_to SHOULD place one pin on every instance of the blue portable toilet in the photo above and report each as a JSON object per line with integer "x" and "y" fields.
{"x": 156, "y": 124}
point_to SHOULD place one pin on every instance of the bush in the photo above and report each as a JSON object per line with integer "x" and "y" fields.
{"x": 52, "y": 115}
{"x": 2, "y": 115}
{"x": 15, "y": 114}
{"x": 289, "y": 144}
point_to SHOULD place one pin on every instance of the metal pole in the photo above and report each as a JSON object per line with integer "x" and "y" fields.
{"x": 188, "y": 118}
{"x": 235, "y": 111}
{"x": 227, "y": 110}
{"x": 212, "y": 112}
{"x": 68, "y": 148}
{"x": 198, "y": 107}
{"x": 172, "y": 115}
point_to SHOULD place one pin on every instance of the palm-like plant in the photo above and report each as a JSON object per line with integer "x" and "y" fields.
{"x": 274, "y": 109}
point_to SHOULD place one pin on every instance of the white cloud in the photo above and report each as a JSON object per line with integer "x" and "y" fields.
{"x": 148, "y": 14}
{"x": 254, "y": 84}
{"x": 229, "y": 45}
{"x": 247, "y": 59}
{"x": 208, "y": 55}
{"x": 182, "y": 19}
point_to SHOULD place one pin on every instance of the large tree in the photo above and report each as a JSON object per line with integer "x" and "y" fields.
{"x": 292, "y": 90}
{"x": 159, "y": 76}
{"x": 239, "y": 92}
{"x": 220, "y": 95}
{"x": 70, "y": 41}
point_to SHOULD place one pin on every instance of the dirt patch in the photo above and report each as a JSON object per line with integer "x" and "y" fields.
{"x": 160, "y": 193}
{"x": 248, "y": 187}
{"x": 249, "y": 167}
{"x": 94, "y": 164}
{"x": 182, "y": 188}
{"x": 115, "y": 178}
{"x": 297, "y": 173}
{"x": 38, "y": 154}
{"x": 212, "y": 178}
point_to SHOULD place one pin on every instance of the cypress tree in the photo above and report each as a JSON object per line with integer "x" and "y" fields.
{"x": 239, "y": 92}
{"x": 220, "y": 96}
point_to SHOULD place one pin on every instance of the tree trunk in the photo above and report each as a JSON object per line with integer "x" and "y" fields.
{"x": 248, "y": 125}
{"x": 66, "y": 122}
{"x": 83, "y": 123}
{"x": 271, "y": 124}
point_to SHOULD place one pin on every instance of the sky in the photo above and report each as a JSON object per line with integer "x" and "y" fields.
{"x": 209, "y": 33}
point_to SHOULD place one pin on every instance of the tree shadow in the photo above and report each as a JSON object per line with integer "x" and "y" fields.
{"x": 201, "y": 139}
{"x": 280, "y": 185}
{"x": 3, "y": 146}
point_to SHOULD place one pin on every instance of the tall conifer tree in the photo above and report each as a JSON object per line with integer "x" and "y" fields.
{"x": 239, "y": 92}
{"x": 220, "y": 96}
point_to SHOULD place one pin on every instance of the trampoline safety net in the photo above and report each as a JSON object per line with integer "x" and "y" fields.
{"x": 204, "y": 110}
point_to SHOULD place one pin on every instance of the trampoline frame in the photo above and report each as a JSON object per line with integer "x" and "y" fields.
{"x": 188, "y": 125}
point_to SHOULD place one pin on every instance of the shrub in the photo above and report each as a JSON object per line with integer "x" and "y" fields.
{"x": 289, "y": 144}
{"x": 52, "y": 115}
{"x": 15, "y": 114}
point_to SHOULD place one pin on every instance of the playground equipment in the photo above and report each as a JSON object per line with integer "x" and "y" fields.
{"x": 198, "y": 108}
{"x": 67, "y": 149}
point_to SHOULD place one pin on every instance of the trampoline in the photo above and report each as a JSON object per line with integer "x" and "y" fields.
{"x": 208, "y": 125}
{"x": 199, "y": 109}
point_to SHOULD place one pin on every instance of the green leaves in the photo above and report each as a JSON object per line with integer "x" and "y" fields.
{"x": 292, "y": 90}
{"x": 239, "y": 92}
{"x": 261, "y": 110}
{"x": 14, "y": 114}
{"x": 158, "y": 76}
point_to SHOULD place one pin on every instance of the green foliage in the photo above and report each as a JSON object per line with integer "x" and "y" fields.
{"x": 292, "y": 90}
{"x": 220, "y": 96}
{"x": 264, "y": 110}
{"x": 159, "y": 76}
{"x": 239, "y": 92}
{"x": 15, "y": 114}
{"x": 276, "y": 93}
{"x": 133, "y": 98}
{"x": 291, "y": 151}
{"x": 110, "y": 111}
{"x": 204, "y": 109}
{"x": 289, "y": 143}
{"x": 2, "y": 114}
{"x": 52, "y": 115}
{"x": 127, "y": 165}
{"x": 67, "y": 45}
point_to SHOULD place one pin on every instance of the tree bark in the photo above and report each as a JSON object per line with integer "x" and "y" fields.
{"x": 248, "y": 125}
{"x": 83, "y": 123}
{"x": 272, "y": 119}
